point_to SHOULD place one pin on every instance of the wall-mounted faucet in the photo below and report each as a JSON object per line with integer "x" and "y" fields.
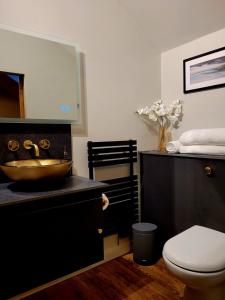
{"x": 28, "y": 144}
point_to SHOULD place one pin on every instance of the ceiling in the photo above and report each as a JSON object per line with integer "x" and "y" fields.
{"x": 170, "y": 23}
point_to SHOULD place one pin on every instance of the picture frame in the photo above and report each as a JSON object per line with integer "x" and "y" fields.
{"x": 204, "y": 71}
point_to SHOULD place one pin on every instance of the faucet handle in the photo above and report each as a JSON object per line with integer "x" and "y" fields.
{"x": 13, "y": 145}
{"x": 27, "y": 144}
{"x": 44, "y": 144}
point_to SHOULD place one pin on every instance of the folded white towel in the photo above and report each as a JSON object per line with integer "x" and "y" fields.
{"x": 173, "y": 146}
{"x": 212, "y": 136}
{"x": 203, "y": 149}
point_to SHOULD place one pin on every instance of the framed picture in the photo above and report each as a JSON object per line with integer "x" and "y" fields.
{"x": 204, "y": 71}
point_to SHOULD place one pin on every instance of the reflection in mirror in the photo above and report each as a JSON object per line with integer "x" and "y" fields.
{"x": 11, "y": 95}
{"x": 39, "y": 78}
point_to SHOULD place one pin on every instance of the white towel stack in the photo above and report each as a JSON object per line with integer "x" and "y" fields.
{"x": 200, "y": 141}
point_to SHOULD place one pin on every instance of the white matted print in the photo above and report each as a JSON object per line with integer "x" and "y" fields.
{"x": 204, "y": 71}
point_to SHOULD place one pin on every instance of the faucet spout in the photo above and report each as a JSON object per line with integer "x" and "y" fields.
{"x": 28, "y": 144}
{"x": 36, "y": 150}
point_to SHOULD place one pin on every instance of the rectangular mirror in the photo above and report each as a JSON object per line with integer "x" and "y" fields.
{"x": 39, "y": 79}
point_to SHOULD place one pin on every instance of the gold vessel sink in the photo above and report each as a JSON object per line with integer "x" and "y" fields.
{"x": 36, "y": 169}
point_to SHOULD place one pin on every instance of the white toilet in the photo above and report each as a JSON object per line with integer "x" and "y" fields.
{"x": 197, "y": 257}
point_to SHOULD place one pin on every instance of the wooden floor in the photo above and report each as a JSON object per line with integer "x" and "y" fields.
{"x": 118, "y": 279}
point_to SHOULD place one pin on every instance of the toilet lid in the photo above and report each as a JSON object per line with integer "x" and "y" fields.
{"x": 197, "y": 249}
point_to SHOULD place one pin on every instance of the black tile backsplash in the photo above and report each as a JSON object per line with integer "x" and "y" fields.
{"x": 59, "y": 136}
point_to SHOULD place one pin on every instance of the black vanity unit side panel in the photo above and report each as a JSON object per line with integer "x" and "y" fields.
{"x": 177, "y": 193}
{"x": 157, "y": 193}
{"x": 40, "y": 243}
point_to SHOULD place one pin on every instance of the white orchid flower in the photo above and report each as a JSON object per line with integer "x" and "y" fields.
{"x": 152, "y": 116}
{"x": 161, "y": 111}
{"x": 140, "y": 111}
{"x": 163, "y": 116}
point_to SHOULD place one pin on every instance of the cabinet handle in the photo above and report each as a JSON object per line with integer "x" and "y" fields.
{"x": 105, "y": 201}
{"x": 209, "y": 171}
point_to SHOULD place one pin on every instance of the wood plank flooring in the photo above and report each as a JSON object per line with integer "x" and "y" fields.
{"x": 118, "y": 279}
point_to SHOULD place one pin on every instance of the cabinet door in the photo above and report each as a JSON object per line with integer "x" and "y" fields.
{"x": 199, "y": 198}
{"x": 157, "y": 193}
{"x": 42, "y": 245}
{"x": 73, "y": 239}
{"x": 177, "y": 193}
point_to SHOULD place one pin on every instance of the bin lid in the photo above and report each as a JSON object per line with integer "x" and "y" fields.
{"x": 144, "y": 227}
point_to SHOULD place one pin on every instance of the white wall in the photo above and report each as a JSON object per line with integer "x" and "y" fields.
{"x": 204, "y": 109}
{"x": 122, "y": 68}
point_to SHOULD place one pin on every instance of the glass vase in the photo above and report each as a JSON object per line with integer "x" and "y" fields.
{"x": 163, "y": 138}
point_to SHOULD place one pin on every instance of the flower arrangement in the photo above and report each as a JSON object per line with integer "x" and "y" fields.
{"x": 165, "y": 117}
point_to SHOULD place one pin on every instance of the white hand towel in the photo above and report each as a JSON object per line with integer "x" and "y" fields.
{"x": 203, "y": 149}
{"x": 212, "y": 136}
{"x": 173, "y": 147}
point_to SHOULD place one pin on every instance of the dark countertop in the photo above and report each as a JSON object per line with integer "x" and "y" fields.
{"x": 14, "y": 193}
{"x": 207, "y": 156}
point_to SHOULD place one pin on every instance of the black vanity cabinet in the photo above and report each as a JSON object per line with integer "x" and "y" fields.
{"x": 44, "y": 239}
{"x": 179, "y": 191}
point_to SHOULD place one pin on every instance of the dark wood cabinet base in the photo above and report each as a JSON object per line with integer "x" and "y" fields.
{"x": 45, "y": 239}
{"x": 178, "y": 192}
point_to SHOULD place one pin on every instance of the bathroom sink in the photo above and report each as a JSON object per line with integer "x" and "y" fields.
{"x": 36, "y": 169}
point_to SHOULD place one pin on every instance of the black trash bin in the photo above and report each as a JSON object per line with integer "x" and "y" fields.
{"x": 144, "y": 243}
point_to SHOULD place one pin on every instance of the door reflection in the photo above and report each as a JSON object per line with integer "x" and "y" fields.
{"x": 11, "y": 95}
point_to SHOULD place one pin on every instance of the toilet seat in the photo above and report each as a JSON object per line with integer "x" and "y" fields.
{"x": 197, "y": 249}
